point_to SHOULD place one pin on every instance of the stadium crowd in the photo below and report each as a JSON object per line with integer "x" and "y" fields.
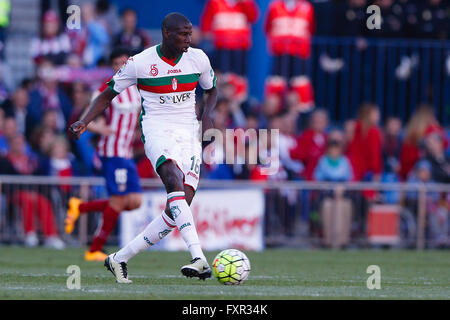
{"x": 71, "y": 64}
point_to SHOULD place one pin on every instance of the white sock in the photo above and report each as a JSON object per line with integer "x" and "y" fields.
{"x": 155, "y": 231}
{"x": 185, "y": 222}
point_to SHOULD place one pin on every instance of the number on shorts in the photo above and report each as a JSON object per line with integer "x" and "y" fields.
{"x": 195, "y": 166}
{"x": 121, "y": 176}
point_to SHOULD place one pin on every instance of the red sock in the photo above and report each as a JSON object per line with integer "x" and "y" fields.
{"x": 110, "y": 216}
{"x": 96, "y": 205}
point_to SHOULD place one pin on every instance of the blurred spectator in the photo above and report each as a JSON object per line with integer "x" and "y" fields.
{"x": 349, "y": 131}
{"x": 420, "y": 173}
{"x": 107, "y": 15}
{"x": 437, "y": 209}
{"x": 84, "y": 148}
{"x": 16, "y": 107}
{"x": 269, "y": 166}
{"x": 392, "y": 21}
{"x": 434, "y": 19}
{"x": 215, "y": 161}
{"x": 95, "y": 36}
{"x": 364, "y": 151}
{"x": 59, "y": 7}
{"x": 334, "y": 165}
{"x": 6, "y": 82}
{"x": 289, "y": 26}
{"x": 422, "y": 123}
{"x": 30, "y": 201}
{"x": 335, "y": 211}
{"x": 130, "y": 36}
{"x": 3, "y": 143}
{"x": 61, "y": 161}
{"x": 435, "y": 154}
{"x": 236, "y": 117}
{"x": 252, "y": 121}
{"x": 8, "y": 131}
{"x": 5, "y": 8}
{"x": 80, "y": 96}
{"x": 52, "y": 44}
{"x": 311, "y": 144}
{"x": 272, "y": 106}
{"x": 392, "y": 142}
{"x": 42, "y": 141}
{"x": 287, "y": 141}
{"x": 196, "y": 37}
{"x": 392, "y": 145}
{"x": 351, "y": 17}
{"x": 50, "y": 121}
{"x": 48, "y": 96}
{"x": 411, "y": 12}
{"x": 228, "y": 22}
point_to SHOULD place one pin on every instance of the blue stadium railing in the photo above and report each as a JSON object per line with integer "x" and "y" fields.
{"x": 370, "y": 75}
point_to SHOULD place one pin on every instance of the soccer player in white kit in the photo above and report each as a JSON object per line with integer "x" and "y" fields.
{"x": 166, "y": 76}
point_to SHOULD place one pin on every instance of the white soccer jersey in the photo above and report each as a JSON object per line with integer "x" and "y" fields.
{"x": 166, "y": 86}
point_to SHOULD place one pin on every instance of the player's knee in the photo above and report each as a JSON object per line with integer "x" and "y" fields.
{"x": 174, "y": 183}
{"x": 172, "y": 177}
{"x": 119, "y": 203}
{"x": 134, "y": 202}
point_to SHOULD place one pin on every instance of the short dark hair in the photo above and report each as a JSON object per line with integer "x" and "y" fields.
{"x": 102, "y": 6}
{"x": 118, "y": 52}
{"x": 128, "y": 10}
{"x": 173, "y": 21}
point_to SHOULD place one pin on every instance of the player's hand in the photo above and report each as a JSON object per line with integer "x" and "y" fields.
{"x": 206, "y": 124}
{"x": 77, "y": 128}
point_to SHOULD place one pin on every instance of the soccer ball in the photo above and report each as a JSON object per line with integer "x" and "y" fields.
{"x": 231, "y": 266}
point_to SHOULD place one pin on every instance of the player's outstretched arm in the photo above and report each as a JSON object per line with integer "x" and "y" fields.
{"x": 96, "y": 108}
{"x": 210, "y": 103}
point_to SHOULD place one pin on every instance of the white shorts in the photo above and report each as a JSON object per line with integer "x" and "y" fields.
{"x": 178, "y": 142}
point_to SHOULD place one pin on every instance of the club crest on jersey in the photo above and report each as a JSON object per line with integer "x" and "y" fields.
{"x": 174, "y": 84}
{"x": 153, "y": 70}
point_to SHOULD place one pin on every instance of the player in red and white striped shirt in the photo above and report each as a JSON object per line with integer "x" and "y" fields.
{"x": 116, "y": 128}
{"x": 121, "y": 119}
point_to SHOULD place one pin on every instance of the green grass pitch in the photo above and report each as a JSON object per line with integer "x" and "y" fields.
{"x": 276, "y": 274}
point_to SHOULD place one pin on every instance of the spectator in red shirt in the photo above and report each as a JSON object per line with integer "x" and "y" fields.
{"x": 289, "y": 26}
{"x": 365, "y": 150}
{"x": 30, "y": 200}
{"x": 52, "y": 44}
{"x": 228, "y": 23}
{"x": 421, "y": 124}
{"x": 311, "y": 144}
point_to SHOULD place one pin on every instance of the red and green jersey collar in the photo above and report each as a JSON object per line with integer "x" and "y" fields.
{"x": 166, "y": 60}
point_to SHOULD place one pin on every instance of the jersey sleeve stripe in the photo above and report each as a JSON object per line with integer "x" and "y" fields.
{"x": 111, "y": 84}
